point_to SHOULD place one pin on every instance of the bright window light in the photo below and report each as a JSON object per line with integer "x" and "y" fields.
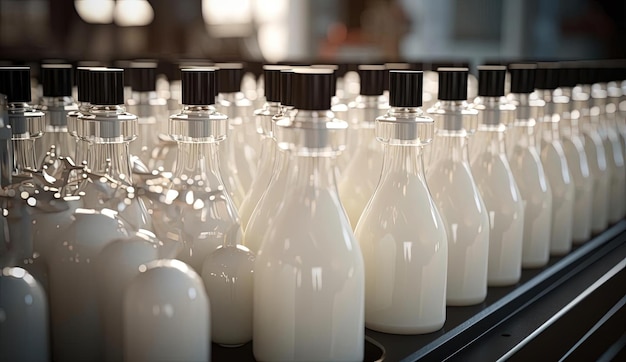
{"x": 95, "y": 11}
{"x": 133, "y": 13}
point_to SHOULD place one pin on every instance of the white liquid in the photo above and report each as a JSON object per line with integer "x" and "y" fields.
{"x": 227, "y": 276}
{"x": 359, "y": 178}
{"x": 583, "y": 183}
{"x": 308, "y": 275}
{"x": 23, "y": 317}
{"x": 405, "y": 250}
{"x": 615, "y": 158}
{"x": 504, "y": 204}
{"x": 563, "y": 193}
{"x": 536, "y": 194}
{"x": 76, "y": 326}
{"x": 601, "y": 177}
{"x": 117, "y": 264}
{"x": 166, "y": 315}
{"x": 467, "y": 224}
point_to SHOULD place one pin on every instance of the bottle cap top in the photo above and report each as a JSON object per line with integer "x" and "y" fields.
{"x": 271, "y": 77}
{"x": 312, "y": 88}
{"x": 522, "y": 78}
{"x": 229, "y": 76}
{"x": 57, "y": 80}
{"x": 143, "y": 76}
{"x": 372, "y": 79}
{"x": 286, "y": 92}
{"x": 198, "y": 86}
{"x": 547, "y": 76}
{"x": 491, "y": 80}
{"x": 452, "y": 83}
{"x": 106, "y": 86}
{"x": 405, "y": 88}
{"x": 15, "y": 83}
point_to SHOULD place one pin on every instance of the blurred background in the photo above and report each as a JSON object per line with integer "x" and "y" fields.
{"x": 331, "y": 30}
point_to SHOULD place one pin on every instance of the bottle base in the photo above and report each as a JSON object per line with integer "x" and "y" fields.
{"x": 230, "y": 345}
{"x": 502, "y": 282}
{"x": 407, "y": 330}
{"x": 464, "y": 302}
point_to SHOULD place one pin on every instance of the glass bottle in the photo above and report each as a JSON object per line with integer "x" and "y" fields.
{"x": 594, "y": 148}
{"x": 554, "y": 161}
{"x": 568, "y": 108}
{"x": 401, "y": 233}
{"x": 238, "y": 157}
{"x": 526, "y": 166}
{"x": 166, "y": 314}
{"x": 151, "y": 114}
{"x": 24, "y": 308}
{"x": 495, "y": 180}
{"x": 109, "y": 129}
{"x": 272, "y": 199}
{"x": 76, "y": 320}
{"x": 309, "y": 278}
{"x": 455, "y": 192}
{"x": 263, "y": 118}
{"x": 359, "y": 178}
{"x": 196, "y": 211}
{"x": 617, "y": 122}
{"x": 612, "y": 144}
{"x": 56, "y": 103}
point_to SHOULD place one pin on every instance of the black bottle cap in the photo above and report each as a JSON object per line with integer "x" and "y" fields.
{"x": 142, "y": 76}
{"x": 569, "y": 74}
{"x": 82, "y": 84}
{"x": 522, "y": 78}
{"x": 372, "y": 79}
{"x": 405, "y": 88}
{"x": 335, "y": 69}
{"x": 452, "y": 84}
{"x": 57, "y": 80}
{"x": 15, "y": 83}
{"x": 106, "y": 86}
{"x": 394, "y": 66}
{"x": 229, "y": 77}
{"x": 547, "y": 76}
{"x": 491, "y": 80}
{"x": 198, "y": 86}
{"x": 286, "y": 82}
{"x": 271, "y": 78}
{"x": 312, "y": 88}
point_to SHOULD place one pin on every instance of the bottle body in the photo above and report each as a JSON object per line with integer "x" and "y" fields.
{"x": 559, "y": 175}
{"x": 577, "y": 161}
{"x": 361, "y": 174}
{"x": 535, "y": 191}
{"x": 504, "y": 204}
{"x": 458, "y": 200}
{"x": 405, "y": 271}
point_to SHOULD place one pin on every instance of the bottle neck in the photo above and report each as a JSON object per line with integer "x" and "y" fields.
{"x": 401, "y": 160}
{"x": 311, "y": 172}
{"x": 489, "y": 138}
{"x": 549, "y": 132}
{"x": 112, "y": 159}
{"x": 450, "y": 145}
{"x": 198, "y": 161}
{"x": 24, "y": 156}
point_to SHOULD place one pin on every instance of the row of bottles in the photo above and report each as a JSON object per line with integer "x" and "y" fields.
{"x": 135, "y": 236}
